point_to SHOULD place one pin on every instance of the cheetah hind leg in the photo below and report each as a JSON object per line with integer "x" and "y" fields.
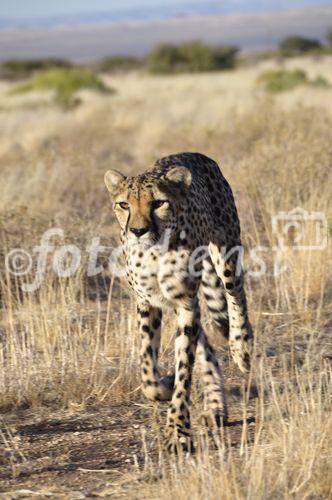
{"x": 214, "y": 294}
{"x": 240, "y": 331}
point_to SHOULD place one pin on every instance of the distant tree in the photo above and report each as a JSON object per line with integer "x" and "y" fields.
{"x": 196, "y": 56}
{"x": 225, "y": 56}
{"x": 16, "y": 69}
{"x": 329, "y": 37}
{"x": 295, "y": 45}
{"x": 164, "y": 58}
{"x": 202, "y": 57}
{"x": 191, "y": 56}
{"x": 119, "y": 63}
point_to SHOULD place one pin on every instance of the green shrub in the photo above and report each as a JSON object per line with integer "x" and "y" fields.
{"x": 164, "y": 58}
{"x": 329, "y": 37}
{"x": 119, "y": 63}
{"x": 297, "y": 45}
{"x": 190, "y": 57}
{"x": 225, "y": 56}
{"x": 281, "y": 80}
{"x": 196, "y": 56}
{"x": 65, "y": 82}
{"x": 16, "y": 69}
{"x": 320, "y": 81}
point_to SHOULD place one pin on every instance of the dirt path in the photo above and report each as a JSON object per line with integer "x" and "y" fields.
{"x": 76, "y": 454}
{"x": 97, "y": 453}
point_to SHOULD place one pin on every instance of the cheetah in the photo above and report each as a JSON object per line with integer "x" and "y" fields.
{"x": 183, "y": 208}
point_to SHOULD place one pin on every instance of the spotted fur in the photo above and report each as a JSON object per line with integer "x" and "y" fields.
{"x": 166, "y": 215}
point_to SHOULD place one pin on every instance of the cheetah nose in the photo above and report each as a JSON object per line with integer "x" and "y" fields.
{"x": 139, "y": 231}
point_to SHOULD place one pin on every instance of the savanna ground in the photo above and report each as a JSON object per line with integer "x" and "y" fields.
{"x": 73, "y": 421}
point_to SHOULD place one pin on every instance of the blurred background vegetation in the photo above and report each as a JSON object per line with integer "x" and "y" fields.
{"x": 65, "y": 78}
{"x": 190, "y": 57}
{"x": 65, "y": 82}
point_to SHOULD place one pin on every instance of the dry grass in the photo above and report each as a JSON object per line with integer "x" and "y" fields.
{"x": 72, "y": 346}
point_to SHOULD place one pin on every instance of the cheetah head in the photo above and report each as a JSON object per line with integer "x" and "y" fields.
{"x": 146, "y": 206}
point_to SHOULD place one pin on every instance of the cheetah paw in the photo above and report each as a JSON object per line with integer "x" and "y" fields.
{"x": 213, "y": 418}
{"x": 241, "y": 355}
{"x": 242, "y": 358}
{"x": 177, "y": 442}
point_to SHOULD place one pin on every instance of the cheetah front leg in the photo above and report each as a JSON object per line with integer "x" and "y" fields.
{"x": 178, "y": 417}
{"x": 213, "y": 383}
{"x": 155, "y": 387}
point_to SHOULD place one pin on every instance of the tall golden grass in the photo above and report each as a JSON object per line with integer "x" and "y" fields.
{"x": 73, "y": 342}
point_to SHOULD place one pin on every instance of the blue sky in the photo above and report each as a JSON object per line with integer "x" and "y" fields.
{"x": 43, "y": 8}
{"x": 30, "y": 8}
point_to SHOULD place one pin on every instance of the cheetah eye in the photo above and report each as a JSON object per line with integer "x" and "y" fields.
{"x": 158, "y": 203}
{"x": 124, "y": 205}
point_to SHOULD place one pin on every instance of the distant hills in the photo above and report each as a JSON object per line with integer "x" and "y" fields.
{"x": 151, "y": 10}
{"x": 98, "y": 35}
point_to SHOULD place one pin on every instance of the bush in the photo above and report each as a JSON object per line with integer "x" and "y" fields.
{"x": 65, "y": 82}
{"x": 297, "y": 45}
{"x": 190, "y": 57}
{"x": 164, "y": 58}
{"x": 281, "y": 80}
{"x": 196, "y": 56}
{"x": 329, "y": 37}
{"x": 119, "y": 63}
{"x": 320, "y": 81}
{"x": 16, "y": 69}
{"x": 225, "y": 57}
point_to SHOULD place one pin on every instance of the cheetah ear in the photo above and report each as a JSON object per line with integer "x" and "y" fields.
{"x": 112, "y": 179}
{"x": 180, "y": 175}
